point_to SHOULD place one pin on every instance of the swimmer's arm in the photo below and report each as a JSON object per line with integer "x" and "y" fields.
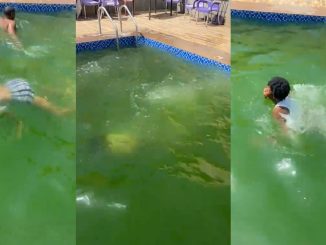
{"x": 277, "y": 114}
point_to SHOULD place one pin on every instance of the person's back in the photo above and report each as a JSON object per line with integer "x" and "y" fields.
{"x": 7, "y": 23}
{"x": 286, "y": 110}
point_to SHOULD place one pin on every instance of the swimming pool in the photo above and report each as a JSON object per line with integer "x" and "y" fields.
{"x": 37, "y": 173}
{"x": 277, "y": 181}
{"x": 153, "y": 149}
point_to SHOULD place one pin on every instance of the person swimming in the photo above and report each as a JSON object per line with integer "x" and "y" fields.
{"x": 8, "y": 25}
{"x": 285, "y": 110}
{"x": 19, "y": 90}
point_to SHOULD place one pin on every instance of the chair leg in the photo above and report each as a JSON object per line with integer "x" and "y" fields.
{"x": 166, "y": 7}
{"x": 84, "y": 11}
{"x": 191, "y": 16}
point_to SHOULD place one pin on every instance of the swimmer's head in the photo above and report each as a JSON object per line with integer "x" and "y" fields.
{"x": 9, "y": 12}
{"x": 278, "y": 88}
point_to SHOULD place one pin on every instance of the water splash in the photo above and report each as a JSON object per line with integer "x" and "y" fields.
{"x": 286, "y": 166}
{"x": 36, "y": 51}
{"x": 311, "y": 100}
{"x": 90, "y": 67}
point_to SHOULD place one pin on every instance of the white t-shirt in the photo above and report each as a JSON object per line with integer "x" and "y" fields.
{"x": 293, "y": 119}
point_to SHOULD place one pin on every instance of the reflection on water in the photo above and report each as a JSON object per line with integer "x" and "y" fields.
{"x": 90, "y": 201}
{"x": 155, "y": 145}
{"x": 286, "y": 166}
{"x": 200, "y": 171}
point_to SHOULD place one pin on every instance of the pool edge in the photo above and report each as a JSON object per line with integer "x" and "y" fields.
{"x": 276, "y": 17}
{"x": 129, "y": 41}
{"x": 39, "y": 7}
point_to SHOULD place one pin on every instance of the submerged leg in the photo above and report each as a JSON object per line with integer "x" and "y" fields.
{"x": 19, "y": 124}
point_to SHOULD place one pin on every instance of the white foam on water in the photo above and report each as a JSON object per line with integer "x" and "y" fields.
{"x": 88, "y": 200}
{"x": 21, "y": 24}
{"x": 311, "y": 100}
{"x": 172, "y": 93}
{"x": 286, "y": 166}
{"x": 83, "y": 199}
{"x": 36, "y": 51}
{"x": 91, "y": 67}
{"x": 263, "y": 122}
{"x": 116, "y": 205}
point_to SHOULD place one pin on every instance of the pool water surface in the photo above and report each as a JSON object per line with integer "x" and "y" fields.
{"x": 37, "y": 176}
{"x": 153, "y": 149}
{"x": 277, "y": 180}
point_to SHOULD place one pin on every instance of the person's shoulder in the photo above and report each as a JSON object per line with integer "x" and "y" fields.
{"x": 12, "y": 22}
{"x": 280, "y": 110}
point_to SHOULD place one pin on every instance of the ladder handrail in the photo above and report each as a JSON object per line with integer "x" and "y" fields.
{"x": 132, "y": 18}
{"x": 99, "y": 16}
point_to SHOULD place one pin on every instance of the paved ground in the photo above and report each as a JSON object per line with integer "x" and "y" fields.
{"x": 307, "y": 7}
{"x": 178, "y": 30}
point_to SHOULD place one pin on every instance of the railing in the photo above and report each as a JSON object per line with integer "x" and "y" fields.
{"x": 100, "y": 12}
{"x": 130, "y": 15}
{"x": 223, "y": 8}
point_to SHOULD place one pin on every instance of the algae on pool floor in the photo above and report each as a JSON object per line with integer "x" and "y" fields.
{"x": 37, "y": 173}
{"x": 153, "y": 150}
{"x": 277, "y": 181}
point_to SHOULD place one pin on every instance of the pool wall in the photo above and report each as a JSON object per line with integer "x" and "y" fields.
{"x": 276, "y": 17}
{"x": 125, "y": 42}
{"x": 38, "y": 7}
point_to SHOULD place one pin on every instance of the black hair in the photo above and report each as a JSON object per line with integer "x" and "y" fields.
{"x": 9, "y": 12}
{"x": 280, "y": 88}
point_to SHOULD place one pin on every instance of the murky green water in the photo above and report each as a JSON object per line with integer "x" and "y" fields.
{"x": 277, "y": 181}
{"x": 153, "y": 150}
{"x": 37, "y": 172}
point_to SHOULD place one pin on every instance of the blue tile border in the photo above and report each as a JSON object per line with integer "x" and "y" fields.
{"x": 38, "y": 8}
{"x": 277, "y": 17}
{"x": 143, "y": 41}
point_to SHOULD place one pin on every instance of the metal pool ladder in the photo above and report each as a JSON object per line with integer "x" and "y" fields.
{"x": 132, "y": 18}
{"x": 100, "y": 12}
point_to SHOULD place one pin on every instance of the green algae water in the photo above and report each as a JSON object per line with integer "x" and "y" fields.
{"x": 37, "y": 172}
{"x": 153, "y": 150}
{"x": 278, "y": 180}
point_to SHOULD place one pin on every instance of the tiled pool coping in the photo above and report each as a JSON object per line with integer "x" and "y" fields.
{"x": 38, "y": 8}
{"x": 144, "y": 41}
{"x": 276, "y": 17}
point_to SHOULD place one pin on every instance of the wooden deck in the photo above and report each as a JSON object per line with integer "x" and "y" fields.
{"x": 301, "y": 3}
{"x": 177, "y": 30}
